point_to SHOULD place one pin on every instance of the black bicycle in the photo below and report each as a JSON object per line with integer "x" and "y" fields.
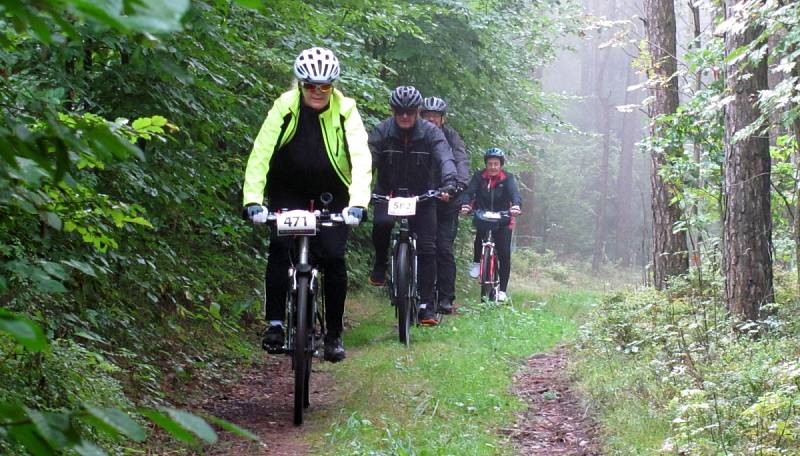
{"x": 305, "y": 305}
{"x": 402, "y": 284}
{"x": 489, "y": 265}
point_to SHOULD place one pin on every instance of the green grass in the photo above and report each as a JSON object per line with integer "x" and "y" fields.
{"x": 449, "y": 392}
{"x": 622, "y": 395}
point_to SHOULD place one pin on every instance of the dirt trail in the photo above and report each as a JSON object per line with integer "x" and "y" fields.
{"x": 555, "y": 423}
{"x": 262, "y": 402}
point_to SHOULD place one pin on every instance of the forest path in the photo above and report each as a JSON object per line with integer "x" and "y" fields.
{"x": 263, "y": 402}
{"x": 554, "y": 423}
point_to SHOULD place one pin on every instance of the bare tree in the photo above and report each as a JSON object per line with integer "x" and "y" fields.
{"x": 670, "y": 250}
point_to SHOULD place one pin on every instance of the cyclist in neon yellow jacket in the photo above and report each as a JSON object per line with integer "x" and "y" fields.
{"x": 312, "y": 142}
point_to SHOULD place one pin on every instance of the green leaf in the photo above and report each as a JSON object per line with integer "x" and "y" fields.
{"x": 40, "y": 28}
{"x": 255, "y": 4}
{"x": 31, "y": 440}
{"x": 230, "y": 427}
{"x": 85, "y": 268}
{"x": 10, "y": 412}
{"x": 23, "y": 330}
{"x": 52, "y": 219}
{"x": 182, "y": 425}
{"x": 157, "y": 16}
{"x": 213, "y": 309}
{"x": 141, "y": 122}
{"x": 88, "y": 449}
{"x": 193, "y": 423}
{"x": 41, "y": 277}
{"x": 115, "y": 421}
{"x": 53, "y": 427}
{"x": 168, "y": 425}
{"x": 109, "y": 145}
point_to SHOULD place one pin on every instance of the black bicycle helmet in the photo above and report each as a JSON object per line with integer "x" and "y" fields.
{"x": 434, "y": 104}
{"x": 495, "y": 152}
{"x": 405, "y": 97}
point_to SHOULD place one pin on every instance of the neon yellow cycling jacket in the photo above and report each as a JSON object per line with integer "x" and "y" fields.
{"x": 345, "y": 141}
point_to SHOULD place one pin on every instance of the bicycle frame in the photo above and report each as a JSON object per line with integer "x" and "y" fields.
{"x": 489, "y": 274}
{"x": 489, "y": 263}
{"x": 304, "y": 268}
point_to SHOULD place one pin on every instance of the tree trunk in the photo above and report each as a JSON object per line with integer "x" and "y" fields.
{"x": 697, "y": 238}
{"x": 598, "y": 255}
{"x": 624, "y": 195}
{"x": 747, "y": 230}
{"x": 670, "y": 251}
{"x": 796, "y": 132}
{"x": 524, "y": 230}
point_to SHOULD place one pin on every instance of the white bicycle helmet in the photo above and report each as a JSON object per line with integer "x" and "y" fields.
{"x": 434, "y": 104}
{"x": 317, "y": 65}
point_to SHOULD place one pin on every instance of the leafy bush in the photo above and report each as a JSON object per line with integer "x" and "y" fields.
{"x": 709, "y": 389}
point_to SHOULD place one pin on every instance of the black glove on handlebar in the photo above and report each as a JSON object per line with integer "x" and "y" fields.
{"x": 449, "y": 189}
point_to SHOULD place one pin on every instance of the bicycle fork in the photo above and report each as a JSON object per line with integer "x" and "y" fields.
{"x": 302, "y": 268}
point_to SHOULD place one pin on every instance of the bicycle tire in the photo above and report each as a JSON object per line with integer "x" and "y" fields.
{"x": 316, "y": 333}
{"x": 302, "y": 358}
{"x": 402, "y": 269}
{"x": 486, "y": 268}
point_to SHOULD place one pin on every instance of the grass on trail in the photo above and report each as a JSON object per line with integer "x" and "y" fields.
{"x": 447, "y": 394}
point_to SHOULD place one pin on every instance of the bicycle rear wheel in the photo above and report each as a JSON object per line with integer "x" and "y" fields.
{"x": 302, "y": 357}
{"x": 403, "y": 302}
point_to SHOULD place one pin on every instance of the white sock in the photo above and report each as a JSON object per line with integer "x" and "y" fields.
{"x": 276, "y": 323}
{"x": 423, "y": 306}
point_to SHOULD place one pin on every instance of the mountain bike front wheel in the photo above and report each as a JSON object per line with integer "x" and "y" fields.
{"x": 302, "y": 356}
{"x": 488, "y": 274}
{"x": 402, "y": 269}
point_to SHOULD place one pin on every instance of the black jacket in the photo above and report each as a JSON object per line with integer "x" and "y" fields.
{"x": 500, "y": 197}
{"x": 459, "y": 155}
{"x": 418, "y": 159}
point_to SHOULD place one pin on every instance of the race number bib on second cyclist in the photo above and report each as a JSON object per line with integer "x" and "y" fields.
{"x": 296, "y": 222}
{"x": 402, "y": 207}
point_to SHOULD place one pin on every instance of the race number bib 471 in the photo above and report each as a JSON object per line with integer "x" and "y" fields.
{"x": 402, "y": 207}
{"x": 296, "y": 222}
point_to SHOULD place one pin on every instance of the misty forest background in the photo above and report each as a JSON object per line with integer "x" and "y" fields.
{"x": 656, "y": 143}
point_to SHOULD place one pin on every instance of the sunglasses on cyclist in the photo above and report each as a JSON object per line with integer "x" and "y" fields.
{"x": 405, "y": 112}
{"x": 311, "y": 87}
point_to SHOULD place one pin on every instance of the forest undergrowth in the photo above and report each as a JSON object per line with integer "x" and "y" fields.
{"x": 665, "y": 373}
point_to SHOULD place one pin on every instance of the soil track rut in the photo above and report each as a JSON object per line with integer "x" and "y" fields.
{"x": 263, "y": 403}
{"x": 555, "y": 423}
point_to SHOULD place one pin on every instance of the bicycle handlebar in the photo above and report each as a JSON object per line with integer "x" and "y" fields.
{"x": 430, "y": 194}
{"x": 492, "y": 216}
{"x": 271, "y": 217}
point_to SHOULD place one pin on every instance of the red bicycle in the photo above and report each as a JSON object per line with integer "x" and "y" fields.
{"x": 490, "y": 265}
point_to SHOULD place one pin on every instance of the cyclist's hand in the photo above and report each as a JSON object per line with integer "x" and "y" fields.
{"x": 353, "y": 215}
{"x": 256, "y": 213}
{"x": 252, "y": 209}
{"x": 465, "y": 209}
{"x": 514, "y": 210}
